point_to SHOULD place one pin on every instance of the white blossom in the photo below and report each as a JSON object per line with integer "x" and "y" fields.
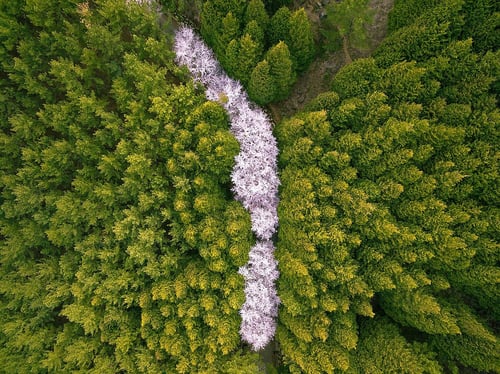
{"x": 255, "y": 182}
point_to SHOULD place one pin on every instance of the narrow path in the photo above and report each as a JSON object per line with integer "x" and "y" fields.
{"x": 318, "y": 77}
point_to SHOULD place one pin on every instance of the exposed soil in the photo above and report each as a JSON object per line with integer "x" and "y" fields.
{"x": 318, "y": 77}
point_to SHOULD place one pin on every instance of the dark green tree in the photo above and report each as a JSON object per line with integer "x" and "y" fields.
{"x": 261, "y": 87}
{"x": 301, "y": 41}
{"x": 279, "y": 27}
{"x": 281, "y": 69}
{"x": 231, "y": 57}
{"x": 273, "y": 5}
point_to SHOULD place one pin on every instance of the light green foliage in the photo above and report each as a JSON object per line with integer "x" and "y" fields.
{"x": 248, "y": 56}
{"x": 256, "y": 33}
{"x": 120, "y": 239}
{"x": 256, "y": 11}
{"x": 388, "y": 245}
{"x": 230, "y": 31}
{"x": 373, "y": 355}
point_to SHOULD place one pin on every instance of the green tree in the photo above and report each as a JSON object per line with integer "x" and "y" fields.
{"x": 231, "y": 57}
{"x": 249, "y": 55}
{"x": 261, "y": 86}
{"x": 256, "y": 11}
{"x": 213, "y": 28}
{"x": 273, "y": 5}
{"x": 230, "y": 30}
{"x": 351, "y": 17}
{"x": 279, "y": 27}
{"x": 388, "y": 189}
{"x": 281, "y": 69}
{"x": 256, "y": 33}
{"x": 301, "y": 40}
{"x": 120, "y": 239}
{"x": 427, "y": 36}
{"x": 403, "y": 357}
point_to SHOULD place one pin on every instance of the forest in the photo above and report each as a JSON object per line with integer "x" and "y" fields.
{"x": 158, "y": 216}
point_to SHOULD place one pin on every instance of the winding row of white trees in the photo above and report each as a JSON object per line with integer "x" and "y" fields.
{"x": 255, "y": 182}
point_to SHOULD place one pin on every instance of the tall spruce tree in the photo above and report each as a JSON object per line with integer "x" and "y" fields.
{"x": 279, "y": 27}
{"x": 261, "y": 87}
{"x": 249, "y": 54}
{"x": 281, "y": 69}
{"x": 256, "y": 11}
{"x": 301, "y": 40}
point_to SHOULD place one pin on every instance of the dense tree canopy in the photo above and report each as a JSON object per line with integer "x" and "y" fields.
{"x": 120, "y": 238}
{"x": 125, "y": 242}
{"x": 387, "y": 245}
{"x": 243, "y": 33}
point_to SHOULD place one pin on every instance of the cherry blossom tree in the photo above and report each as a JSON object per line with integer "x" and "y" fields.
{"x": 255, "y": 182}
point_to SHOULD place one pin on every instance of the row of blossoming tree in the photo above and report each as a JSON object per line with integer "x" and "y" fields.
{"x": 255, "y": 182}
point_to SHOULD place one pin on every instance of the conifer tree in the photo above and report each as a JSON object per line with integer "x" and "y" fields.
{"x": 386, "y": 199}
{"x": 273, "y": 5}
{"x": 281, "y": 69}
{"x": 256, "y": 11}
{"x": 256, "y": 33}
{"x": 230, "y": 30}
{"x": 261, "y": 86}
{"x": 301, "y": 40}
{"x": 248, "y": 56}
{"x": 279, "y": 27}
{"x": 121, "y": 241}
{"x": 232, "y": 57}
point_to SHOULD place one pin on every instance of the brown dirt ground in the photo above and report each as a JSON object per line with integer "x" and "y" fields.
{"x": 318, "y": 77}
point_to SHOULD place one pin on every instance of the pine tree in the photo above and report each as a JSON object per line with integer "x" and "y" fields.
{"x": 301, "y": 40}
{"x": 249, "y": 54}
{"x": 256, "y": 11}
{"x": 261, "y": 86}
{"x": 121, "y": 242}
{"x": 230, "y": 30}
{"x": 281, "y": 70}
{"x": 232, "y": 57}
{"x": 255, "y": 31}
{"x": 382, "y": 216}
{"x": 279, "y": 27}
